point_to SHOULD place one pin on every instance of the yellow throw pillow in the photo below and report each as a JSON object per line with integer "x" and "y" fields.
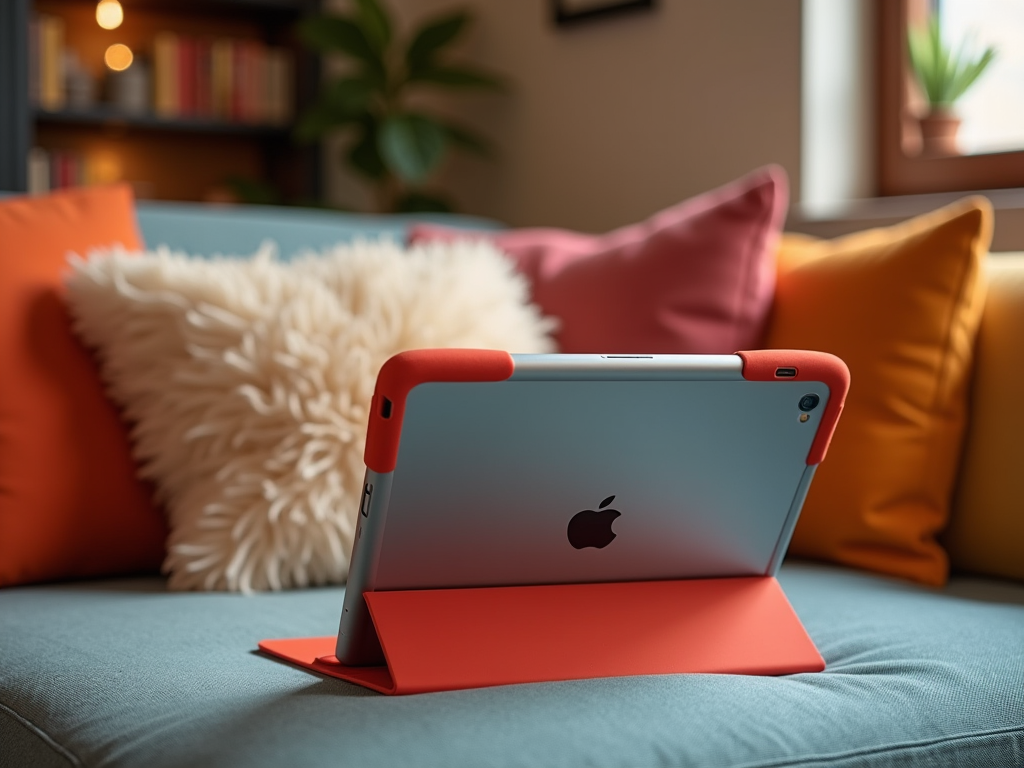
{"x": 986, "y": 531}
{"x": 901, "y": 305}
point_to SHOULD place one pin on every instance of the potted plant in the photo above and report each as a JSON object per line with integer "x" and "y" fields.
{"x": 396, "y": 144}
{"x": 944, "y": 75}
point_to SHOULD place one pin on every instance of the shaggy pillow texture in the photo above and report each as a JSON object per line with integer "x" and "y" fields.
{"x": 247, "y": 384}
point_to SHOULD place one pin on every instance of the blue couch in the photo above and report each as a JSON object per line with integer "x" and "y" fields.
{"x": 122, "y": 672}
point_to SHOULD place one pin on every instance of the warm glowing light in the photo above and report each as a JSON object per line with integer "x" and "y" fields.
{"x": 109, "y": 14}
{"x": 103, "y": 166}
{"x": 118, "y": 57}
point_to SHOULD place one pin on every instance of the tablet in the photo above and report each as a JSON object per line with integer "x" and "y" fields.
{"x": 491, "y": 469}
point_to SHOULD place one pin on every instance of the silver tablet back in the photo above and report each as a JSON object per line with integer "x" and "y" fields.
{"x": 700, "y": 473}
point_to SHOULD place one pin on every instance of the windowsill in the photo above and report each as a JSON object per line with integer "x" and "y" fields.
{"x": 855, "y": 215}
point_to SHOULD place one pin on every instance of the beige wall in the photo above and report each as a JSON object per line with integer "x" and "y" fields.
{"x": 612, "y": 120}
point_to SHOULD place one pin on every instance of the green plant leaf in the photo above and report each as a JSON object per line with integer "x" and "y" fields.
{"x": 921, "y": 59}
{"x": 341, "y": 103}
{"x": 457, "y": 77}
{"x": 968, "y": 72}
{"x": 464, "y": 138}
{"x": 376, "y": 24}
{"x": 318, "y": 120}
{"x": 941, "y": 59}
{"x": 944, "y": 74}
{"x": 350, "y": 95}
{"x": 412, "y": 145}
{"x": 338, "y": 34}
{"x": 422, "y": 202}
{"x": 364, "y": 156}
{"x": 432, "y": 37}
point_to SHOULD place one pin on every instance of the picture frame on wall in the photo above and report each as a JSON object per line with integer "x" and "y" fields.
{"x": 568, "y": 12}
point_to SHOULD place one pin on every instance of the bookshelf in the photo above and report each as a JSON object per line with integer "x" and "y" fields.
{"x": 210, "y": 95}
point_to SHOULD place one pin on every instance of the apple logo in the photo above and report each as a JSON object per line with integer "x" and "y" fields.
{"x": 593, "y": 527}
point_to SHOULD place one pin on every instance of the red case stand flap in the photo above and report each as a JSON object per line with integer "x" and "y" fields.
{"x": 448, "y": 639}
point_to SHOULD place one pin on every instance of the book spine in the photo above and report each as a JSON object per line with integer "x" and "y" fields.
{"x": 221, "y": 77}
{"x": 59, "y": 170}
{"x": 38, "y": 171}
{"x": 204, "y": 79}
{"x": 51, "y": 68}
{"x": 259, "y": 86}
{"x": 251, "y": 85}
{"x": 54, "y": 169}
{"x": 238, "y": 78}
{"x": 165, "y": 75}
{"x": 186, "y": 77}
{"x": 259, "y": 83}
{"x": 67, "y": 170}
{"x": 274, "y": 86}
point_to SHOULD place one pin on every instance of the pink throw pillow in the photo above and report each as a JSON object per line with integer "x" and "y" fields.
{"x": 696, "y": 278}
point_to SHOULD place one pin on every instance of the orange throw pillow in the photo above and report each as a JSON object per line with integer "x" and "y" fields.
{"x": 70, "y": 503}
{"x": 901, "y": 305}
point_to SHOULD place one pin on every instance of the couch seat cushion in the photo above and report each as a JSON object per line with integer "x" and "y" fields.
{"x": 123, "y": 673}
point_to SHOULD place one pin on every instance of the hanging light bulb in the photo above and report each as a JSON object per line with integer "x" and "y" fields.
{"x": 118, "y": 57}
{"x": 109, "y": 14}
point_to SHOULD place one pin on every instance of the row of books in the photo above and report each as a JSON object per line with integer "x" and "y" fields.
{"x": 231, "y": 80}
{"x": 228, "y": 79}
{"x": 56, "y": 169}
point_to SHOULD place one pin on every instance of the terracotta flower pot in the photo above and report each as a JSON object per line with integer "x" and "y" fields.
{"x": 938, "y": 133}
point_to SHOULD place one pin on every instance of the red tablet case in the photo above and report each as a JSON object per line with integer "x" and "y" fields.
{"x": 448, "y": 639}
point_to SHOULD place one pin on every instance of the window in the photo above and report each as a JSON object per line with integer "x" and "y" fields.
{"x": 993, "y": 109}
{"x": 991, "y": 138}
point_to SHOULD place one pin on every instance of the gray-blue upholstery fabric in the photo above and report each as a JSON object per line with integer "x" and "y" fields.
{"x": 205, "y": 230}
{"x": 123, "y": 673}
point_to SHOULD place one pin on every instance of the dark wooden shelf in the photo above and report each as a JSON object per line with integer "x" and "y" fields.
{"x": 177, "y": 158}
{"x": 111, "y": 117}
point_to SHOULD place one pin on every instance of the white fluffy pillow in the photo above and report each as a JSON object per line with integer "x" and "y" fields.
{"x": 247, "y": 383}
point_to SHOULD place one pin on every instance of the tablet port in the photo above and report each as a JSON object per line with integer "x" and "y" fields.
{"x": 785, "y": 373}
{"x": 385, "y": 408}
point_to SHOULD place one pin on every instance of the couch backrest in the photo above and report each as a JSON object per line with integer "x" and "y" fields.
{"x": 986, "y": 530}
{"x": 206, "y": 230}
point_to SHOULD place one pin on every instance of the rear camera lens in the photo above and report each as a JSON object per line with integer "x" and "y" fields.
{"x": 809, "y": 402}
